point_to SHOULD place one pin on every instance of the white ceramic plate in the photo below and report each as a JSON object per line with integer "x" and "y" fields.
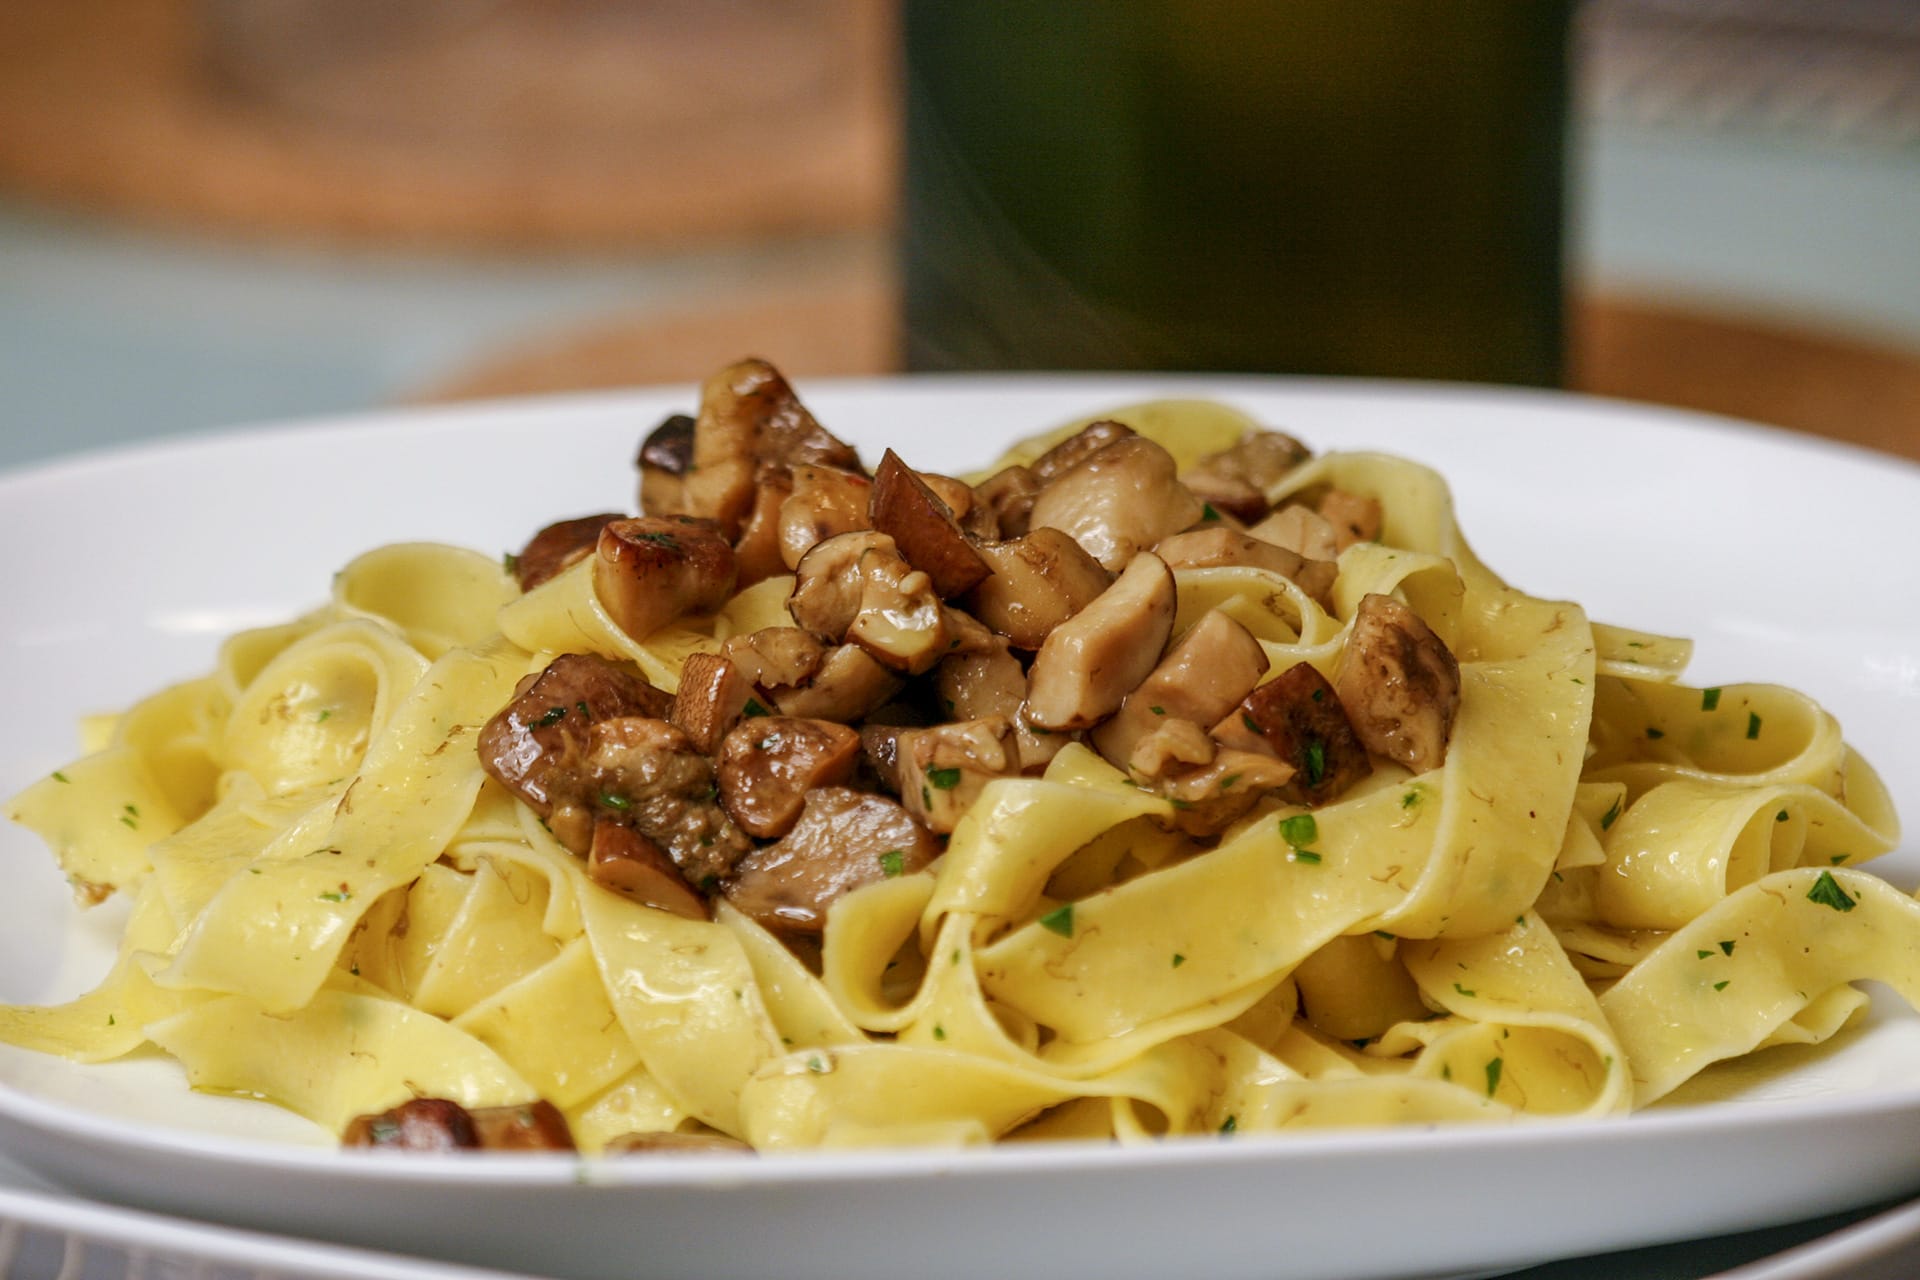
{"x": 1786, "y": 559}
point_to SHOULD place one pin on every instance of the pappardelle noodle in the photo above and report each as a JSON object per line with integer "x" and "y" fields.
{"x": 1164, "y": 779}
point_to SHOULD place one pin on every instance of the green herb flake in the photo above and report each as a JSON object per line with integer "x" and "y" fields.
{"x": 1248, "y": 721}
{"x": 1827, "y": 892}
{"x": 1178, "y": 959}
{"x": 60, "y": 777}
{"x": 1709, "y": 699}
{"x": 129, "y": 822}
{"x": 893, "y": 862}
{"x": 1059, "y": 920}
{"x": 1229, "y": 1124}
{"x": 335, "y": 895}
{"x": 1300, "y": 830}
{"x": 1654, "y": 734}
{"x": 1837, "y": 859}
{"x": 1159, "y": 711}
{"x": 666, "y": 540}
{"x": 1493, "y": 1075}
{"x": 323, "y": 715}
{"x": 1410, "y": 799}
{"x": 1726, "y": 946}
{"x": 1722, "y": 984}
{"x": 1207, "y": 512}
{"x": 944, "y": 779}
{"x": 939, "y": 1032}
{"x": 1229, "y": 780}
{"x": 1612, "y": 814}
{"x": 1316, "y": 761}
{"x": 1178, "y": 803}
{"x": 553, "y": 716}
{"x": 1753, "y": 725}
{"x": 1390, "y": 937}
{"x": 1306, "y": 855}
{"x": 753, "y": 708}
{"x": 1463, "y": 991}
{"x": 111, "y": 1022}
{"x": 510, "y": 562}
{"x": 1780, "y": 816}
{"x": 817, "y": 1065}
{"x": 1701, "y": 955}
{"x": 614, "y": 800}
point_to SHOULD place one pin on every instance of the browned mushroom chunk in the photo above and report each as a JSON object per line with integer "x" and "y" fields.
{"x": 1218, "y": 547}
{"x": 670, "y": 1142}
{"x": 1039, "y": 580}
{"x": 1007, "y": 497}
{"x": 776, "y": 657}
{"x": 1118, "y": 501}
{"x": 1077, "y": 448}
{"x": 713, "y": 694}
{"x": 421, "y": 1124}
{"x": 1210, "y": 786}
{"x": 857, "y": 587}
{"x": 923, "y": 526}
{"x": 1095, "y": 658}
{"x": 942, "y": 768}
{"x": 531, "y": 1126}
{"x": 1400, "y": 684}
{"x": 825, "y": 501}
{"x": 645, "y": 773}
{"x": 665, "y": 457}
{"x": 651, "y": 570}
{"x": 1354, "y": 517}
{"x": 1201, "y": 678}
{"x": 757, "y": 551}
{"x": 1297, "y": 717}
{"x": 1299, "y": 529}
{"x": 767, "y": 765}
{"x": 537, "y": 745}
{"x": 844, "y": 839}
{"x": 988, "y": 683}
{"x": 1236, "y": 479}
{"x": 558, "y": 546}
{"x": 849, "y": 684}
{"x": 634, "y": 867}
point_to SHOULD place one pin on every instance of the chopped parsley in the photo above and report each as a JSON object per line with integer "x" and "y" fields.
{"x": 1655, "y": 734}
{"x": 1229, "y": 1124}
{"x": 944, "y": 779}
{"x": 817, "y": 1065}
{"x": 1207, "y": 512}
{"x": 666, "y": 540}
{"x": 753, "y": 708}
{"x": 1726, "y": 946}
{"x": 1300, "y": 830}
{"x": 335, "y": 895}
{"x": 1493, "y": 1074}
{"x": 1247, "y": 720}
{"x": 1410, "y": 799}
{"x": 939, "y": 1032}
{"x": 1827, "y": 892}
{"x": 614, "y": 800}
{"x": 554, "y": 716}
{"x": 1467, "y": 992}
{"x": 1722, "y": 984}
{"x": 1780, "y": 816}
{"x": 893, "y": 862}
{"x": 1709, "y": 699}
{"x": 1316, "y": 761}
{"x": 510, "y": 562}
{"x": 1159, "y": 711}
{"x": 1701, "y": 955}
{"x": 1178, "y": 959}
{"x": 1305, "y": 855}
{"x": 1229, "y": 780}
{"x": 60, "y": 777}
{"x": 1612, "y": 814}
{"x": 1059, "y": 920}
{"x": 1753, "y": 725}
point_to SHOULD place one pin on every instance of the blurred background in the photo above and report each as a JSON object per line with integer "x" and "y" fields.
{"x": 219, "y": 211}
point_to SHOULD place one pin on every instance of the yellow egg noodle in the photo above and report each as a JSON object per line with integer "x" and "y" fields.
{"x": 1613, "y": 881}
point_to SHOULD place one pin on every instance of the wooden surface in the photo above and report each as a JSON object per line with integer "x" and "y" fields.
{"x": 523, "y": 124}
{"x": 1636, "y": 350}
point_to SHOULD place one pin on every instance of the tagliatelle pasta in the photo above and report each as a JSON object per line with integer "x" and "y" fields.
{"x": 1612, "y": 881}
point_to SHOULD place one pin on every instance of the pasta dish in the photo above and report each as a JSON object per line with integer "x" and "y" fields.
{"x": 1164, "y": 778}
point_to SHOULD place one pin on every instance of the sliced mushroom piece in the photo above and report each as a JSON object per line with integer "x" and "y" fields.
{"x": 1301, "y": 530}
{"x": 651, "y": 570}
{"x": 634, "y": 867}
{"x": 1210, "y": 786}
{"x": 671, "y": 1142}
{"x": 530, "y": 1126}
{"x": 970, "y": 686}
{"x": 943, "y": 768}
{"x": 923, "y": 526}
{"x": 1202, "y": 677}
{"x": 1119, "y": 501}
{"x": 829, "y": 581}
{"x": 1077, "y": 448}
{"x": 1297, "y": 717}
{"x": 843, "y": 839}
{"x": 712, "y": 696}
{"x": 858, "y": 587}
{"x": 665, "y": 457}
{"x": 1007, "y": 497}
{"x": 646, "y": 774}
{"x": 825, "y": 501}
{"x": 557, "y": 547}
{"x": 849, "y": 684}
{"x": 1092, "y": 661}
{"x": 537, "y": 745}
{"x": 1039, "y": 580}
{"x": 1236, "y": 479}
{"x": 756, "y": 551}
{"x": 1399, "y": 683}
{"x": 419, "y": 1124}
{"x": 1354, "y": 517}
{"x": 1219, "y": 547}
{"x": 776, "y": 657}
{"x": 1038, "y": 746}
{"x": 767, "y": 765}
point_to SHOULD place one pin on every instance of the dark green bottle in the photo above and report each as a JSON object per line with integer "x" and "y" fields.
{"x": 1289, "y": 186}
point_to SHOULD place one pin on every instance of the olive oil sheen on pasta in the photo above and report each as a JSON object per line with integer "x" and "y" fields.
{"x": 1366, "y": 187}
